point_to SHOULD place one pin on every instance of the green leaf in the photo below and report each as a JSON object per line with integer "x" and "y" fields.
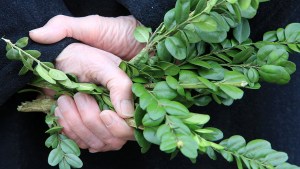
{"x": 253, "y": 75}
{"x": 255, "y": 146}
{"x": 289, "y": 66}
{"x": 215, "y": 73}
{"x": 174, "y": 108}
{"x": 209, "y": 84}
{"x": 176, "y": 47}
{"x": 197, "y": 119}
{"x": 139, "y": 113}
{"x": 205, "y": 23}
{"x": 146, "y": 99}
{"x": 221, "y": 22}
{"x": 211, "y": 153}
{"x": 169, "y": 68}
{"x": 33, "y": 53}
{"x": 243, "y": 55}
{"x": 276, "y": 158}
{"x": 162, "y": 52}
{"x": 55, "y": 157}
{"x": 215, "y": 135}
{"x": 197, "y": 61}
{"x": 202, "y": 101}
{"x": 150, "y": 135}
{"x": 212, "y": 37}
{"x": 191, "y": 34}
{"x": 23, "y": 71}
{"x": 274, "y": 74}
{"x": 227, "y": 156}
{"x": 168, "y": 142}
{"x": 57, "y": 74}
{"x": 188, "y": 77}
{"x": 44, "y": 74}
{"x": 172, "y": 82}
{"x": 73, "y": 160}
{"x": 294, "y": 47}
{"x": 12, "y": 54}
{"x": 55, "y": 129}
{"x": 142, "y": 34}
{"x": 169, "y": 19}
{"x": 232, "y": 91}
{"x": 189, "y": 146}
{"x": 201, "y": 5}
{"x": 138, "y": 89}
{"x": 235, "y": 143}
{"x": 244, "y": 4}
{"x": 50, "y": 140}
{"x": 182, "y": 10}
{"x": 242, "y": 32}
{"x": 143, "y": 143}
{"x": 163, "y": 91}
{"x": 21, "y": 43}
{"x": 156, "y": 111}
{"x": 64, "y": 165}
{"x": 280, "y": 34}
{"x": 148, "y": 122}
{"x": 70, "y": 147}
{"x": 235, "y": 78}
{"x": 162, "y": 130}
{"x": 292, "y": 32}
{"x": 232, "y": 1}
{"x": 270, "y": 36}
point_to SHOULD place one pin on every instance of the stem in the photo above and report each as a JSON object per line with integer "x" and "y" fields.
{"x": 45, "y": 104}
{"x": 27, "y": 54}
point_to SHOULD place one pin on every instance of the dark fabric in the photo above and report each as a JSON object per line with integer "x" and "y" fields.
{"x": 271, "y": 113}
{"x": 17, "y": 18}
{"x": 149, "y": 12}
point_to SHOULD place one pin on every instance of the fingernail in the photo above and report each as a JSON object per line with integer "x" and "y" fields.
{"x": 127, "y": 108}
{"x": 63, "y": 103}
{"x": 107, "y": 119}
{"x": 80, "y": 100}
{"x": 57, "y": 113}
{"x": 34, "y": 30}
{"x": 93, "y": 151}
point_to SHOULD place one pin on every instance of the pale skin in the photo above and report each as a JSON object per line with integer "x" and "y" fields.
{"x": 108, "y": 41}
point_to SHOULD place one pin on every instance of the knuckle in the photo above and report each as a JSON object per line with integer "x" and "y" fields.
{"x": 58, "y": 18}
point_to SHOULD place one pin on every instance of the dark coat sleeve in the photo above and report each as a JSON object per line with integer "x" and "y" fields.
{"x": 149, "y": 12}
{"x": 17, "y": 18}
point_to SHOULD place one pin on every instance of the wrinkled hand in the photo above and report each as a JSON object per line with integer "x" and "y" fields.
{"x": 114, "y": 35}
{"x": 80, "y": 116}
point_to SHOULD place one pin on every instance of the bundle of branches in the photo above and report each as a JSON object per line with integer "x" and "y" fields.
{"x": 199, "y": 54}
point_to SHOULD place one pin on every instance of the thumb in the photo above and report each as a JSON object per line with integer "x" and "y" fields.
{"x": 62, "y": 26}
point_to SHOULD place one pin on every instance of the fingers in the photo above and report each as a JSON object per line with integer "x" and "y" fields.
{"x": 99, "y": 67}
{"x": 90, "y": 115}
{"x": 116, "y": 125}
{"x": 114, "y": 35}
{"x": 71, "y": 116}
{"x": 91, "y": 129}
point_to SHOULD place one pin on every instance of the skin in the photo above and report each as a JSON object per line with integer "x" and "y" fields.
{"x": 106, "y": 42}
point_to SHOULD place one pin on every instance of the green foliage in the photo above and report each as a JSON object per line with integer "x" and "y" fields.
{"x": 195, "y": 62}
{"x": 254, "y": 154}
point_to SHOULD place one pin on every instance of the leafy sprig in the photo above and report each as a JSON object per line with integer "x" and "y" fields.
{"x": 201, "y": 53}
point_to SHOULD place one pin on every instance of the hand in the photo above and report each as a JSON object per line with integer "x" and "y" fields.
{"x": 114, "y": 35}
{"x": 81, "y": 118}
{"x": 89, "y": 127}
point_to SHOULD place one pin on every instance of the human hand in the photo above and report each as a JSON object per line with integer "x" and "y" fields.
{"x": 81, "y": 118}
{"x": 114, "y": 35}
